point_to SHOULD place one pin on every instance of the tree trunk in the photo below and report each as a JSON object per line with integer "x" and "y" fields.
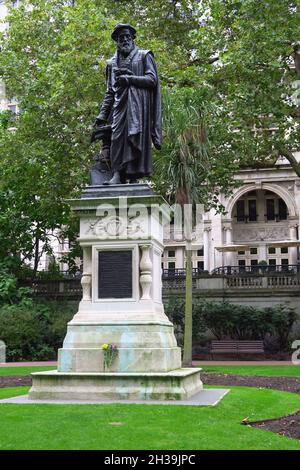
{"x": 36, "y": 257}
{"x": 284, "y": 152}
{"x": 188, "y": 316}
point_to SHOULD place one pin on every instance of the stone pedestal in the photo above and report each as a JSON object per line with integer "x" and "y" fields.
{"x": 121, "y": 233}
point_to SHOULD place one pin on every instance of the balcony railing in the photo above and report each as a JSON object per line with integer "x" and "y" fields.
{"x": 237, "y": 277}
{"x": 70, "y": 288}
{"x": 179, "y": 273}
{"x": 258, "y": 269}
{"x": 227, "y": 277}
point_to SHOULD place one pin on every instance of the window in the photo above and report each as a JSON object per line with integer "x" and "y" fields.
{"x": 242, "y": 264}
{"x": 253, "y": 251}
{"x": 200, "y": 252}
{"x": 271, "y": 250}
{"x": 272, "y": 264}
{"x": 252, "y": 210}
{"x": 254, "y": 265}
{"x": 241, "y": 252}
{"x": 284, "y": 249}
{"x": 284, "y": 264}
{"x": 200, "y": 265}
{"x": 240, "y": 211}
{"x": 171, "y": 266}
{"x": 171, "y": 253}
{"x": 270, "y": 209}
{"x": 282, "y": 209}
{"x": 276, "y": 209}
{"x": 241, "y": 208}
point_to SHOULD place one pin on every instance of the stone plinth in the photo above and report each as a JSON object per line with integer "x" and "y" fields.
{"x": 121, "y": 233}
{"x": 175, "y": 385}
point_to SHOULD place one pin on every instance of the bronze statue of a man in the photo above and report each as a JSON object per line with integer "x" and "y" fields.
{"x": 132, "y": 105}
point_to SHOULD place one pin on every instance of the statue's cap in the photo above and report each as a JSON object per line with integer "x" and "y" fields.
{"x": 120, "y": 26}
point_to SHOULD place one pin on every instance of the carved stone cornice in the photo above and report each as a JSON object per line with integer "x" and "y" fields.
{"x": 248, "y": 234}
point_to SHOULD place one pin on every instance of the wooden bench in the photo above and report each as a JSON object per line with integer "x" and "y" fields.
{"x": 236, "y": 347}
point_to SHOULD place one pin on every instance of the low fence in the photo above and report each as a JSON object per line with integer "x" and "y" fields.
{"x": 71, "y": 288}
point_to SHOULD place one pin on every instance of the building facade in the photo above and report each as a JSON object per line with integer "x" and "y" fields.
{"x": 5, "y": 103}
{"x": 260, "y": 225}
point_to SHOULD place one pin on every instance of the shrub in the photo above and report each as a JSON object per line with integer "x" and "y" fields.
{"x": 34, "y": 330}
{"x": 9, "y": 291}
{"x": 53, "y": 272}
{"x": 242, "y": 322}
{"x": 234, "y": 321}
{"x": 174, "y": 309}
{"x": 281, "y": 318}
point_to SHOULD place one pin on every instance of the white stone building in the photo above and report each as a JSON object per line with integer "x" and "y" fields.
{"x": 12, "y": 104}
{"x": 261, "y": 224}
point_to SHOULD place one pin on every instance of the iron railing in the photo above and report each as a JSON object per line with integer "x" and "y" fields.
{"x": 258, "y": 269}
{"x": 179, "y": 273}
{"x": 234, "y": 278}
{"x": 54, "y": 288}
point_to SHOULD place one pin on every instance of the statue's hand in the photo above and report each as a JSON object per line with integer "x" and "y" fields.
{"x": 99, "y": 122}
{"x": 122, "y": 81}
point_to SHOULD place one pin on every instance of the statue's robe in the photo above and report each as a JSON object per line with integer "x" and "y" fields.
{"x": 134, "y": 112}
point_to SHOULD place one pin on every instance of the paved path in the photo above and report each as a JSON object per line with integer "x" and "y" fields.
{"x": 195, "y": 363}
{"x": 30, "y": 364}
{"x": 209, "y": 397}
{"x": 242, "y": 363}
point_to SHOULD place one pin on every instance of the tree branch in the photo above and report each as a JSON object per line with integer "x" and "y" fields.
{"x": 202, "y": 62}
{"x": 296, "y": 55}
{"x": 291, "y": 159}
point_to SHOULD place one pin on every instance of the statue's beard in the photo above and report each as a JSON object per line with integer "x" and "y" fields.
{"x": 125, "y": 49}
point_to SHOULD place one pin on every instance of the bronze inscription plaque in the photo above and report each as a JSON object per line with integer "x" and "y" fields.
{"x": 115, "y": 274}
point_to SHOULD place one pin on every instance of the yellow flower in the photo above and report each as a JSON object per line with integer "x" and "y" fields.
{"x": 105, "y": 346}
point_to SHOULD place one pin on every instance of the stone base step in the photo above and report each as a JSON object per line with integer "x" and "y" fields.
{"x": 178, "y": 384}
{"x": 127, "y": 360}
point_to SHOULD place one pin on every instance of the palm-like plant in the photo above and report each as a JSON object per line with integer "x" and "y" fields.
{"x": 181, "y": 173}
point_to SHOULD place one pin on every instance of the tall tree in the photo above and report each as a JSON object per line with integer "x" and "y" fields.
{"x": 243, "y": 55}
{"x": 50, "y": 62}
{"x": 53, "y": 58}
{"x": 254, "y": 74}
{"x": 189, "y": 174}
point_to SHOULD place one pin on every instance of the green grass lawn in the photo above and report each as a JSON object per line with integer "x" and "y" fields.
{"x": 26, "y": 370}
{"x": 147, "y": 427}
{"x": 150, "y": 426}
{"x": 267, "y": 371}
{"x": 12, "y": 392}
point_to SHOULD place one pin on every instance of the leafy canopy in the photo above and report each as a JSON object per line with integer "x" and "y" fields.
{"x": 234, "y": 62}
